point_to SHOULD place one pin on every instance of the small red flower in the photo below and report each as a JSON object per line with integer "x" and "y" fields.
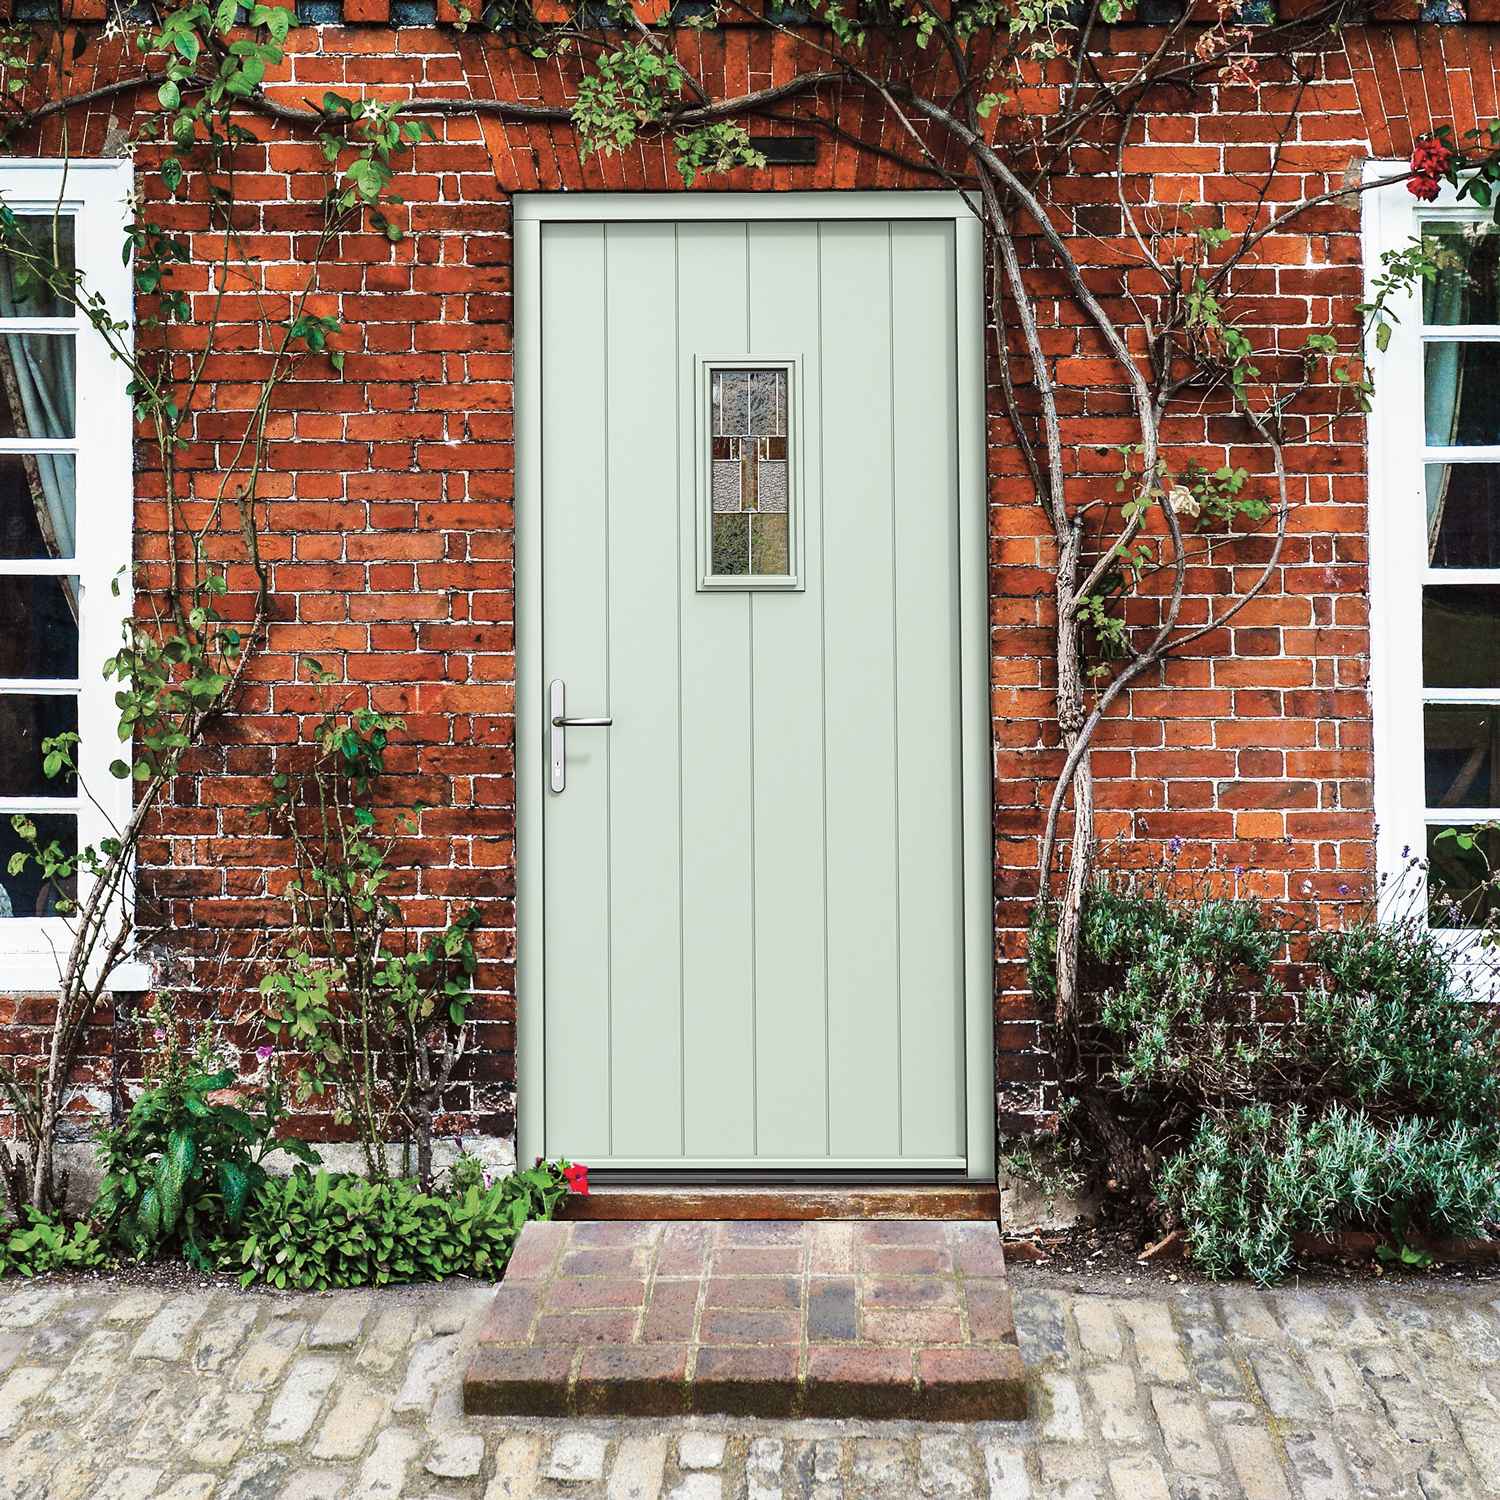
{"x": 577, "y": 1178}
{"x": 1431, "y": 161}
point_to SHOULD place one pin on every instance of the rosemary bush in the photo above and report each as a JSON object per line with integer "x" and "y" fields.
{"x": 1219, "y": 1087}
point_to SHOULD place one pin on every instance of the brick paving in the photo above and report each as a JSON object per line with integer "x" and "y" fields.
{"x": 831, "y": 1318}
{"x": 125, "y": 1392}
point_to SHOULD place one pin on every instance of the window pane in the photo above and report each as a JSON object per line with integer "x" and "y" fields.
{"x": 1460, "y": 889}
{"x": 29, "y": 894}
{"x": 26, "y": 289}
{"x": 25, "y": 721}
{"x": 38, "y": 627}
{"x": 1461, "y": 636}
{"x": 1466, "y": 289}
{"x": 37, "y": 505}
{"x": 1463, "y": 515}
{"x": 731, "y": 546}
{"x": 769, "y": 550}
{"x": 36, "y": 385}
{"x": 750, "y": 477}
{"x": 1462, "y": 763}
{"x": 1462, "y": 393}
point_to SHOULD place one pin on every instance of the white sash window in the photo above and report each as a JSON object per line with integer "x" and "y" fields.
{"x": 65, "y": 535}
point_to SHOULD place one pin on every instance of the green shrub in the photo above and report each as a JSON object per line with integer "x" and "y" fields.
{"x": 1176, "y": 983}
{"x": 315, "y": 1231}
{"x": 1394, "y": 1028}
{"x": 1228, "y": 1091}
{"x": 183, "y": 1168}
{"x": 1245, "y": 1185}
{"x": 39, "y": 1243}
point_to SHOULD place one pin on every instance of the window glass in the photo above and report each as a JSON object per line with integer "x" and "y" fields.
{"x": 29, "y": 893}
{"x": 1459, "y": 747}
{"x": 1463, "y": 515}
{"x": 1459, "y": 891}
{"x": 750, "y": 473}
{"x": 1461, "y": 388}
{"x": 32, "y": 287}
{"x": 1466, "y": 288}
{"x": 38, "y": 626}
{"x": 38, "y": 505}
{"x": 36, "y": 385}
{"x": 26, "y": 720}
{"x": 1461, "y": 636}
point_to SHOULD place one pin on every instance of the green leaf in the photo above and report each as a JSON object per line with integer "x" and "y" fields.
{"x": 234, "y": 1184}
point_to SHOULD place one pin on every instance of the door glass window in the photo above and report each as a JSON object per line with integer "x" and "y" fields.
{"x": 750, "y": 491}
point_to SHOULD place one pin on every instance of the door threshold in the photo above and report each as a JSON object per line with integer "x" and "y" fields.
{"x": 716, "y": 1198}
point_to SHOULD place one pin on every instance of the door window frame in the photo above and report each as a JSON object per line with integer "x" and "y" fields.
{"x": 530, "y": 212}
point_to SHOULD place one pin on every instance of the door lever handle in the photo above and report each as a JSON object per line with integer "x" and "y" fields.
{"x": 557, "y": 736}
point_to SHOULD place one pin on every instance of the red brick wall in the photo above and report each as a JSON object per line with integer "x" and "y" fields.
{"x": 389, "y": 498}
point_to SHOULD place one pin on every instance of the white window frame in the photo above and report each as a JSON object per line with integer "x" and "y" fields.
{"x": 1392, "y": 218}
{"x": 96, "y": 194}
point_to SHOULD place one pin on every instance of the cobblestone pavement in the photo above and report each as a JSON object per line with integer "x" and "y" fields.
{"x": 125, "y": 1393}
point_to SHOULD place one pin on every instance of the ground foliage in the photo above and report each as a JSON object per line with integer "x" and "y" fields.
{"x": 312, "y": 1231}
{"x": 186, "y": 1174}
{"x": 1238, "y": 1078}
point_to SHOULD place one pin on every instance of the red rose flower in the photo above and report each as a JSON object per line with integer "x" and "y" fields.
{"x": 1431, "y": 161}
{"x": 577, "y": 1178}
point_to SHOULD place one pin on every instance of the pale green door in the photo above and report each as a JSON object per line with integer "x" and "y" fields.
{"x": 754, "y": 944}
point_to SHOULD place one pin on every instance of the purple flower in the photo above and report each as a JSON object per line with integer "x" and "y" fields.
{"x": 1343, "y": 890}
{"x": 264, "y": 1053}
{"x": 1175, "y": 846}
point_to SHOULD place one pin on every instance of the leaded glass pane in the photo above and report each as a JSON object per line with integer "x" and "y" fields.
{"x": 750, "y": 472}
{"x": 727, "y": 486}
{"x": 770, "y": 486}
{"x": 769, "y": 551}
{"x": 731, "y": 549}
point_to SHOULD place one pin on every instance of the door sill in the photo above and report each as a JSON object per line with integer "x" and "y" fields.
{"x": 610, "y": 1198}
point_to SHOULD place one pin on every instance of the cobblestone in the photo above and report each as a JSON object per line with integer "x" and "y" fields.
{"x": 1222, "y": 1394}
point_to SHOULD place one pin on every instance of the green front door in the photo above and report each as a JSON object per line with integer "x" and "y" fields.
{"x": 754, "y": 942}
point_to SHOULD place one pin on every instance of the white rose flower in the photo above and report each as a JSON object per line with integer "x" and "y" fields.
{"x": 1182, "y": 500}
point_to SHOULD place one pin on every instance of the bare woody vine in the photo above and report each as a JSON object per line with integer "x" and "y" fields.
{"x": 964, "y": 80}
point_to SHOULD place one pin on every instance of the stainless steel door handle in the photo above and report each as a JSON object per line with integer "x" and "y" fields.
{"x": 558, "y": 736}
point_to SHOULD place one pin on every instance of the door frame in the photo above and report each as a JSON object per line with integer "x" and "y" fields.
{"x": 532, "y": 210}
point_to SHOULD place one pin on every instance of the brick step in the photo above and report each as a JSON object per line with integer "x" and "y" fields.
{"x": 766, "y": 1318}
